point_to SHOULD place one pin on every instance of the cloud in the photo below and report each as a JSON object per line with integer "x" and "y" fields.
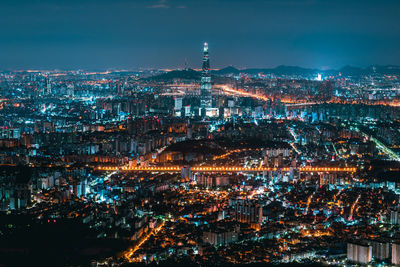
{"x": 160, "y": 4}
{"x": 164, "y": 4}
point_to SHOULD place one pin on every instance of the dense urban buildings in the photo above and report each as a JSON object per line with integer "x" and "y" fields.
{"x": 286, "y": 165}
{"x": 197, "y": 166}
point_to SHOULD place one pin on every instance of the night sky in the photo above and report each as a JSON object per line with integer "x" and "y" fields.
{"x": 129, "y": 34}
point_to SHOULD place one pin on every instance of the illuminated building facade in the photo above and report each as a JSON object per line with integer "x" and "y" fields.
{"x": 249, "y": 212}
{"x": 359, "y": 253}
{"x": 205, "y": 89}
{"x": 396, "y": 254}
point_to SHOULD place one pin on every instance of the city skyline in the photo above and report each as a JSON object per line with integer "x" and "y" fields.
{"x": 165, "y": 34}
{"x": 199, "y": 133}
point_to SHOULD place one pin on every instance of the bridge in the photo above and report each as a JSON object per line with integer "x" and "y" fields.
{"x": 227, "y": 169}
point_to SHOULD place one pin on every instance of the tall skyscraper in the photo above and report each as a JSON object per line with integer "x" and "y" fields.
{"x": 205, "y": 89}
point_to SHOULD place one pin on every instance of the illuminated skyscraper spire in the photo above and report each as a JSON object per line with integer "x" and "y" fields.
{"x": 205, "y": 88}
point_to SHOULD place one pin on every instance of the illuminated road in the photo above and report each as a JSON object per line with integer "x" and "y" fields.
{"x": 229, "y": 90}
{"x": 301, "y": 104}
{"x": 337, "y": 153}
{"x": 128, "y": 255}
{"x": 226, "y": 169}
{"x": 293, "y": 104}
{"x": 292, "y": 144}
{"x": 352, "y": 208}
{"x": 382, "y": 147}
{"x": 393, "y": 155}
{"x": 308, "y": 203}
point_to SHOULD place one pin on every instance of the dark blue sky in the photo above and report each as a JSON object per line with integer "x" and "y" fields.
{"x": 100, "y": 34}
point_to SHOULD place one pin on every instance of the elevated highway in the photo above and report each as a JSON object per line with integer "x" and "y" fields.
{"x": 226, "y": 169}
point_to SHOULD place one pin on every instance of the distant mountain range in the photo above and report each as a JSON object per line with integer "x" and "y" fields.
{"x": 294, "y": 70}
{"x": 190, "y": 74}
{"x": 187, "y": 74}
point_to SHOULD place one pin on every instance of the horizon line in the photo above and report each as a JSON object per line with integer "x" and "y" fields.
{"x": 115, "y": 69}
